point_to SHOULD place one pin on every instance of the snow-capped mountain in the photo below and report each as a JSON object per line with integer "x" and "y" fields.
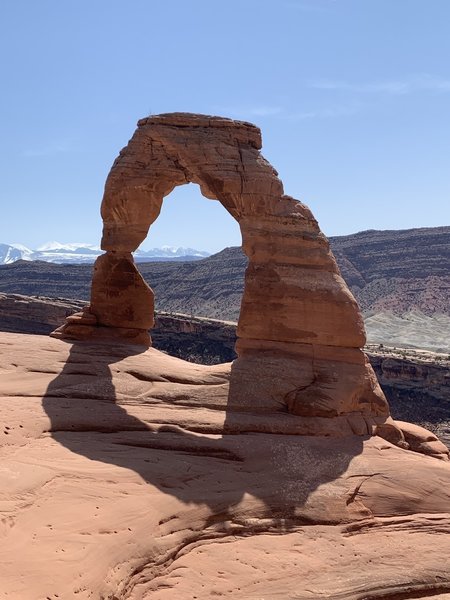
{"x": 64, "y": 248}
{"x": 9, "y": 253}
{"x": 67, "y": 253}
{"x": 170, "y": 252}
{"x": 81, "y": 253}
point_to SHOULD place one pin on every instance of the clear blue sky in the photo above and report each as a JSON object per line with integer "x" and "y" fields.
{"x": 352, "y": 96}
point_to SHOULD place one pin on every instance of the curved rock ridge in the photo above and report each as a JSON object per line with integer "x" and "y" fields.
{"x": 126, "y": 475}
{"x": 300, "y": 332}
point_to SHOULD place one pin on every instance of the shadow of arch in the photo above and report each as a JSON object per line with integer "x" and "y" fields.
{"x": 300, "y": 335}
{"x": 232, "y": 469}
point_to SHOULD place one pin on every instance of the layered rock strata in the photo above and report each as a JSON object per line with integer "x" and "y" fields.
{"x": 300, "y": 332}
{"x": 39, "y": 315}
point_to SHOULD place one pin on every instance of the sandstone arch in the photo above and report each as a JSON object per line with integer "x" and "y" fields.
{"x": 300, "y": 331}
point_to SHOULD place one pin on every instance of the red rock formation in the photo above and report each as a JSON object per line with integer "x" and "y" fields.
{"x": 124, "y": 474}
{"x": 102, "y": 442}
{"x": 300, "y": 331}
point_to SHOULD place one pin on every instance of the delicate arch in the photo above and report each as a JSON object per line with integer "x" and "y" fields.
{"x": 300, "y": 331}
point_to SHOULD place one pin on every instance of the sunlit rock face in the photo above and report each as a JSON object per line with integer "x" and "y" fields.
{"x": 300, "y": 331}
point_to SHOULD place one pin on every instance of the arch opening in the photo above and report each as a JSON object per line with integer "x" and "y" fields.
{"x": 189, "y": 220}
{"x": 193, "y": 299}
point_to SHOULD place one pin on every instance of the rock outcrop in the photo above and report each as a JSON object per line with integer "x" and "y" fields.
{"x": 300, "y": 332}
{"x": 126, "y": 475}
{"x": 417, "y": 385}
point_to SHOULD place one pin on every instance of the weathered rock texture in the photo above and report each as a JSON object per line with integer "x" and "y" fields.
{"x": 300, "y": 332}
{"x": 416, "y": 384}
{"x": 126, "y": 475}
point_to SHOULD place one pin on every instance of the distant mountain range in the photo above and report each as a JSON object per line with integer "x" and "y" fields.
{"x": 401, "y": 280}
{"x": 79, "y": 253}
{"x": 387, "y": 271}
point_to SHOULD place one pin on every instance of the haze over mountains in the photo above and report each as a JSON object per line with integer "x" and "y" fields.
{"x": 80, "y": 253}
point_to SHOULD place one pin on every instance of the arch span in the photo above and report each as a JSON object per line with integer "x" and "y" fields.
{"x": 300, "y": 332}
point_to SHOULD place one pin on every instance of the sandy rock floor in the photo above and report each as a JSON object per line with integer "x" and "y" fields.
{"x": 120, "y": 479}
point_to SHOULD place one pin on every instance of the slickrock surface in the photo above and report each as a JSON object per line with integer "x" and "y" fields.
{"x": 125, "y": 475}
{"x": 300, "y": 332}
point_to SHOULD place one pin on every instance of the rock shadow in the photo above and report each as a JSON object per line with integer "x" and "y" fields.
{"x": 90, "y": 418}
